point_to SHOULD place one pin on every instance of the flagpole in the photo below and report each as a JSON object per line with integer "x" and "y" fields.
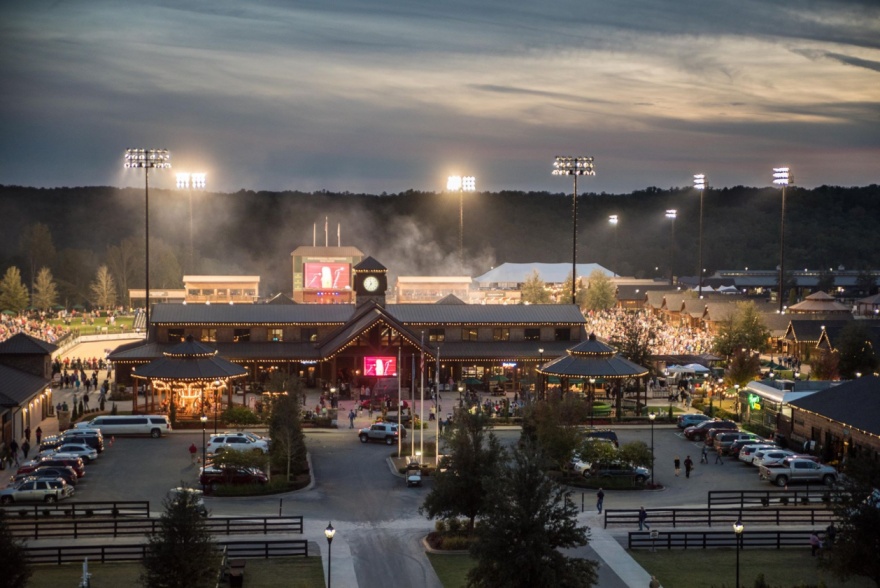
{"x": 422, "y": 402}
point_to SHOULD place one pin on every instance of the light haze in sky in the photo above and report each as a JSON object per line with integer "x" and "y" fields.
{"x": 389, "y": 95}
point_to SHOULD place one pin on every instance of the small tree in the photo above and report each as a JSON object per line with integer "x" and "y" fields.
{"x": 45, "y": 291}
{"x": 855, "y": 350}
{"x": 472, "y": 458}
{"x": 743, "y": 368}
{"x": 15, "y": 570}
{"x": 580, "y": 294}
{"x": 534, "y": 291}
{"x": 556, "y": 425}
{"x": 103, "y": 289}
{"x": 13, "y": 294}
{"x": 529, "y": 519}
{"x": 601, "y": 293}
{"x": 181, "y": 554}
{"x": 636, "y": 452}
{"x": 824, "y": 365}
{"x": 285, "y": 426}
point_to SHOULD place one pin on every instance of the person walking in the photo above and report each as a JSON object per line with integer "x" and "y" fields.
{"x": 39, "y": 433}
{"x": 677, "y": 466}
{"x": 192, "y": 452}
{"x": 643, "y": 519}
{"x": 718, "y": 458}
{"x": 27, "y": 434}
{"x": 600, "y": 499}
{"x": 704, "y": 456}
{"x": 13, "y": 450}
{"x": 25, "y": 448}
{"x": 815, "y": 543}
{"x": 688, "y": 466}
{"x": 351, "y": 416}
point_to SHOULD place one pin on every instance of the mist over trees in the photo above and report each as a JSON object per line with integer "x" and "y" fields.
{"x": 74, "y": 231}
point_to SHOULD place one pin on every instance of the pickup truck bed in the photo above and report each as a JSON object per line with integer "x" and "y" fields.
{"x": 798, "y": 470}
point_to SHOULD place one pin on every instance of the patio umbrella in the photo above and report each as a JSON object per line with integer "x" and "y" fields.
{"x": 10, "y": 312}
{"x": 472, "y": 381}
{"x": 499, "y": 378}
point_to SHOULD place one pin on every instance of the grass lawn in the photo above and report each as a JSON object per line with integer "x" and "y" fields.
{"x": 711, "y": 568}
{"x": 292, "y": 572}
{"x": 87, "y": 329}
{"x": 696, "y": 568}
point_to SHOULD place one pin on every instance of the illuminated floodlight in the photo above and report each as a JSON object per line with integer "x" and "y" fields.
{"x": 461, "y": 183}
{"x": 573, "y": 166}
{"x": 782, "y": 176}
{"x": 700, "y": 181}
{"x": 612, "y": 219}
{"x": 183, "y": 180}
{"x": 147, "y": 158}
{"x": 199, "y": 180}
{"x": 671, "y": 213}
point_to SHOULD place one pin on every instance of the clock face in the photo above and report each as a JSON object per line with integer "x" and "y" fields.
{"x": 371, "y": 283}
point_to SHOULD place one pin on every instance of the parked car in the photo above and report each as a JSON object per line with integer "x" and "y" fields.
{"x": 387, "y": 432}
{"x": 712, "y": 433}
{"x": 50, "y": 442}
{"x": 747, "y": 453}
{"x": 74, "y": 462}
{"x": 579, "y": 466}
{"x": 198, "y": 501}
{"x": 771, "y": 456}
{"x": 737, "y": 446}
{"x": 698, "y": 432}
{"x": 618, "y": 469}
{"x": 252, "y": 436}
{"x": 237, "y": 442}
{"x": 81, "y": 450}
{"x": 211, "y": 477}
{"x": 91, "y": 437}
{"x": 691, "y": 419}
{"x": 602, "y": 434}
{"x": 66, "y": 473}
{"x": 393, "y": 417}
{"x": 798, "y": 470}
{"x": 413, "y": 474}
{"x": 36, "y": 490}
{"x": 725, "y": 439}
{"x": 154, "y": 425}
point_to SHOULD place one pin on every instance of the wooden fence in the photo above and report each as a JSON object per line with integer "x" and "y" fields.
{"x": 707, "y": 517}
{"x": 74, "y": 510}
{"x": 721, "y": 539}
{"x": 815, "y": 495}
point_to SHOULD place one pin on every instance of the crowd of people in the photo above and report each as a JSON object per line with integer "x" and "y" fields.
{"x": 667, "y": 339}
{"x": 37, "y": 327}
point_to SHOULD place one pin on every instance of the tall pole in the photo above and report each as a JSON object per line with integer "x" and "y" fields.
{"x": 700, "y": 184}
{"x": 651, "y": 418}
{"x": 782, "y": 176}
{"x": 147, "y": 159}
{"x": 462, "y": 184}
{"x": 613, "y": 220}
{"x": 437, "y": 408}
{"x": 671, "y": 214}
{"x": 573, "y": 166}
{"x": 738, "y": 532}
{"x": 543, "y": 394}
{"x": 329, "y": 533}
{"x": 204, "y": 419}
{"x": 422, "y": 402}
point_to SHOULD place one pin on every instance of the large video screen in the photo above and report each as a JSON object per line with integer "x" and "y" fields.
{"x": 380, "y": 366}
{"x": 326, "y": 276}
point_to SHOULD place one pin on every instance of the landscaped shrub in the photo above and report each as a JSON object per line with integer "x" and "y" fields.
{"x": 440, "y": 526}
{"x": 456, "y": 542}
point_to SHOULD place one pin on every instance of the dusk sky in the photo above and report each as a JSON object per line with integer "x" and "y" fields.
{"x": 388, "y": 95}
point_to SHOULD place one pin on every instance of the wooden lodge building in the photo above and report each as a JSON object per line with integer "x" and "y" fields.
{"x": 356, "y": 343}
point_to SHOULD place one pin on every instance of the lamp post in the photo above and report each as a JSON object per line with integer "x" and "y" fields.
{"x": 147, "y": 159}
{"x": 462, "y": 184}
{"x": 460, "y": 401}
{"x": 189, "y": 182}
{"x": 651, "y": 418}
{"x": 592, "y": 399}
{"x": 329, "y": 532}
{"x": 738, "y": 532}
{"x": 736, "y": 393}
{"x": 700, "y": 184}
{"x": 573, "y": 166}
{"x": 782, "y": 176}
{"x": 613, "y": 220}
{"x": 671, "y": 214}
{"x": 204, "y": 420}
{"x": 543, "y": 392}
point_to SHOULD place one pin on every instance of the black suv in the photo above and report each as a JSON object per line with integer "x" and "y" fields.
{"x": 91, "y": 437}
{"x": 602, "y": 434}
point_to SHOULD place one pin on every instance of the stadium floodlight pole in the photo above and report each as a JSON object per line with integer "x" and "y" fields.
{"x": 573, "y": 166}
{"x": 700, "y": 184}
{"x": 782, "y": 176}
{"x": 613, "y": 220}
{"x": 672, "y": 214}
{"x": 462, "y": 184}
{"x": 189, "y": 182}
{"x": 147, "y": 159}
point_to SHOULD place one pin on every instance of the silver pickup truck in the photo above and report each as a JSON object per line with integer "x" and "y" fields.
{"x": 798, "y": 470}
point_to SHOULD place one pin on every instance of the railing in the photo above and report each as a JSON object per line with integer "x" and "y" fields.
{"x": 719, "y": 539}
{"x": 62, "y": 554}
{"x": 56, "y": 528}
{"x": 76, "y": 510}
{"x": 708, "y": 517}
{"x": 795, "y": 496}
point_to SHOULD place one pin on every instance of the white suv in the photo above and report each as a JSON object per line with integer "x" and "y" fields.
{"x": 236, "y": 442}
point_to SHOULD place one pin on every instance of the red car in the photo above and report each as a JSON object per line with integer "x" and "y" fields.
{"x": 212, "y": 477}
{"x": 699, "y": 432}
{"x": 74, "y": 462}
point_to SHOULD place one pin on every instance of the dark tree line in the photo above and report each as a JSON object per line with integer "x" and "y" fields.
{"x": 417, "y": 232}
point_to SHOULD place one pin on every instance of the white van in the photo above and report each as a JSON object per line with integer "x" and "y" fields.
{"x": 153, "y": 425}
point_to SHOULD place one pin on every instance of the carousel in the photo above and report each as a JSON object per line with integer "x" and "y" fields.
{"x": 189, "y": 380}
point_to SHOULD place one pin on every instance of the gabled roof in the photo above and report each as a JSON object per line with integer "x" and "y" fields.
{"x": 369, "y": 264}
{"x": 17, "y": 388}
{"x": 280, "y": 298}
{"x": 627, "y": 292}
{"x": 487, "y": 314}
{"x": 141, "y": 351}
{"x": 369, "y": 315}
{"x": 811, "y": 330}
{"x": 819, "y": 302}
{"x": 855, "y": 404}
{"x": 592, "y": 359}
{"x": 450, "y": 299}
{"x": 22, "y": 344}
{"x": 251, "y": 314}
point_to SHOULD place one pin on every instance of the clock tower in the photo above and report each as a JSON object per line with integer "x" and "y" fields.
{"x": 370, "y": 281}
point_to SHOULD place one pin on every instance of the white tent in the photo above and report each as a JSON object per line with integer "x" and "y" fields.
{"x": 700, "y": 369}
{"x": 706, "y": 289}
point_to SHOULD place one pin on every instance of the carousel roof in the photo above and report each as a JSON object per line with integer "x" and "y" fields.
{"x": 819, "y": 302}
{"x": 189, "y": 360}
{"x": 592, "y": 359}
